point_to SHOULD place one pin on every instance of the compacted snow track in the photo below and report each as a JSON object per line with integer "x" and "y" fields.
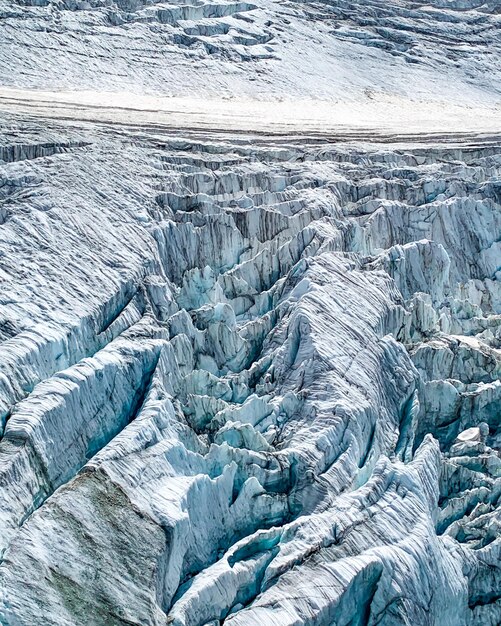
{"x": 250, "y": 379}
{"x": 385, "y": 119}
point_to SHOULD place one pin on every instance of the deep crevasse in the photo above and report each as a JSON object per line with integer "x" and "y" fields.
{"x": 251, "y": 385}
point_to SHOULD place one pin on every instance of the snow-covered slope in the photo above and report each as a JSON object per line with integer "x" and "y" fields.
{"x": 347, "y": 50}
{"x": 250, "y": 313}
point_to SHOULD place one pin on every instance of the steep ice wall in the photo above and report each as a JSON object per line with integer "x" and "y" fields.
{"x": 248, "y": 383}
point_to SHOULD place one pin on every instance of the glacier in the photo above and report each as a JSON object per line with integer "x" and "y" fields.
{"x": 250, "y": 358}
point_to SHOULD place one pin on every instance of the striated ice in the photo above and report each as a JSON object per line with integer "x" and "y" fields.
{"x": 265, "y": 404}
{"x": 250, "y": 351}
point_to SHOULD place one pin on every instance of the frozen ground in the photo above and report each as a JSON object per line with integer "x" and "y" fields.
{"x": 250, "y": 314}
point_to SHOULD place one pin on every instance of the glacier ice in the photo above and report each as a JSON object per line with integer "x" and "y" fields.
{"x": 250, "y": 384}
{"x": 250, "y": 314}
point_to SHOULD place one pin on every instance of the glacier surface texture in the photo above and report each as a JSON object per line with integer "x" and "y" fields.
{"x": 250, "y": 375}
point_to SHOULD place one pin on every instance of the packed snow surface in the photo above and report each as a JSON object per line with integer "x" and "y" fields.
{"x": 250, "y": 313}
{"x": 383, "y": 115}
